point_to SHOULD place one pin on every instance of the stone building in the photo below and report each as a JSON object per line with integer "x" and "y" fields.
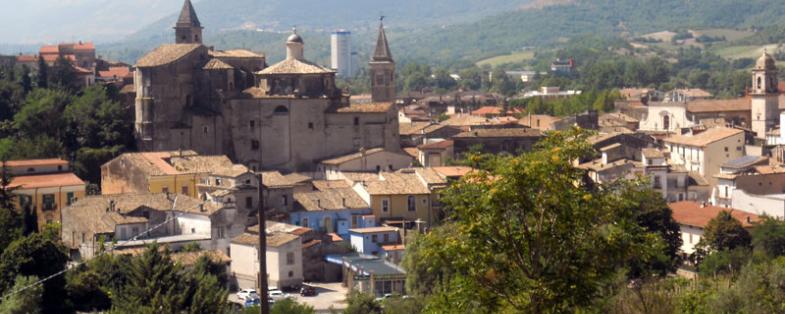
{"x": 283, "y": 117}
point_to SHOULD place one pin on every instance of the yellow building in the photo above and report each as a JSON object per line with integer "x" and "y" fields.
{"x": 148, "y": 172}
{"x": 44, "y": 186}
{"x": 406, "y": 197}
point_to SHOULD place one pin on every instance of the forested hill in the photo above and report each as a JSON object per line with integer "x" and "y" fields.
{"x": 512, "y": 31}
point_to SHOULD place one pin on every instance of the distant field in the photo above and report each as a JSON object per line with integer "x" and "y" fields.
{"x": 739, "y": 52}
{"x": 729, "y": 34}
{"x": 510, "y": 58}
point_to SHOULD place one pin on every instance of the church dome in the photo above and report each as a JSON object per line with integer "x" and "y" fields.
{"x": 295, "y": 38}
{"x": 765, "y": 62}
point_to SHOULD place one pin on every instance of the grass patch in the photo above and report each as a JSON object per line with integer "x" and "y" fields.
{"x": 510, "y": 58}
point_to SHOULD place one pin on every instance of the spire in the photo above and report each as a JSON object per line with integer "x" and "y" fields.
{"x": 382, "y": 53}
{"x": 188, "y": 16}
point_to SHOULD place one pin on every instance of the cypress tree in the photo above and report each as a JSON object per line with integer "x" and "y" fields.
{"x": 43, "y": 73}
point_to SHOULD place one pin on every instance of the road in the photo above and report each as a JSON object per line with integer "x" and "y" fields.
{"x": 330, "y": 296}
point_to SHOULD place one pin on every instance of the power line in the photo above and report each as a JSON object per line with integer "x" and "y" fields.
{"x": 134, "y": 238}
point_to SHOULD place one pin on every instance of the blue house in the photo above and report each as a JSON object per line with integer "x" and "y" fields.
{"x": 331, "y": 210}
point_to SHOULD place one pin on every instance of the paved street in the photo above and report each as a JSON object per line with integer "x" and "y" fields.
{"x": 329, "y": 295}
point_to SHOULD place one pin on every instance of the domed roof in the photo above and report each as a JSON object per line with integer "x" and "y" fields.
{"x": 295, "y": 38}
{"x": 766, "y": 62}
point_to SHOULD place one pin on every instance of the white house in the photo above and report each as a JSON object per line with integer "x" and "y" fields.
{"x": 693, "y": 217}
{"x": 369, "y": 241}
{"x": 705, "y": 152}
{"x": 371, "y": 160}
{"x": 284, "y": 260}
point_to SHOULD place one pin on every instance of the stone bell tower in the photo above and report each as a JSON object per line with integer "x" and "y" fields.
{"x": 765, "y": 96}
{"x": 188, "y": 30}
{"x": 382, "y": 70}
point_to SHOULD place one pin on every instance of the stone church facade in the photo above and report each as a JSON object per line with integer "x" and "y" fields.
{"x": 287, "y": 116}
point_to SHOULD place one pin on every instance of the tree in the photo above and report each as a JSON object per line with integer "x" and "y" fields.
{"x": 42, "y": 255}
{"x": 11, "y": 97}
{"x": 42, "y": 80}
{"x": 27, "y": 301}
{"x": 548, "y": 240}
{"x": 63, "y": 75}
{"x": 10, "y": 222}
{"x": 399, "y": 305}
{"x": 361, "y": 303}
{"x": 768, "y": 237}
{"x": 290, "y": 306}
{"x": 153, "y": 284}
{"x": 653, "y": 214}
{"x": 723, "y": 233}
{"x": 42, "y": 114}
{"x": 26, "y": 82}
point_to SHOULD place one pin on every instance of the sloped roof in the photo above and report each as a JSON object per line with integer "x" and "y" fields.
{"x": 275, "y": 239}
{"x": 216, "y": 165}
{"x": 437, "y": 145}
{"x": 166, "y": 54}
{"x": 412, "y": 127}
{"x": 34, "y": 163}
{"x": 330, "y": 199}
{"x": 46, "y": 180}
{"x": 352, "y": 156}
{"x": 216, "y": 64}
{"x": 493, "y": 133}
{"x": 397, "y": 184}
{"x": 274, "y": 179}
{"x": 322, "y": 185}
{"x": 188, "y": 16}
{"x": 235, "y": 53}
{"x": 719, "y": 105}
{"x": 382, "y": 51}
{"x": 365, "y": 108}
{"x": 295, "y": 66}
{"x": 692, "y": 214}
{"x": 704, "y": 138}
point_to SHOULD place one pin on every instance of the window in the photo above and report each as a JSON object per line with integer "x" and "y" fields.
{"x": 254, "y": 145}
{"x": 69, "y": 198}
{"x": 310, "y": 125}
{"x": 385, "y": 205}
{"x": 411, "y": 203}
{"x": 134, "y": 231}
{"x": 356, "y": 120}
{"x": 726, "y": 148}
{"x": 83, "y": 237}
{"x": 374, "y": 238}
{"x": 193, "y": 230}
{"x": 290, "y": 258}
{"x": 49, "y": 202}
{"x": 280, "y": 110}
{"x": 386, "y": 238}
{"x": 390, "y": 167}
{"x": 249, "y": 202}
{"x": 221, "y": 232}
{"x": 165, "y": 190}
{"x": 252, "y": 124}
{"x": 304, "y": 222}
{"x": 205, "y": 129}
{"x": 285, "y": 200}
{"x": 184, "y": 190}
{"x": 217, "y": 181}
{"x": 354, "y": 221}
{"x": 378, "y": 168}
{"x": 291, "y": 274}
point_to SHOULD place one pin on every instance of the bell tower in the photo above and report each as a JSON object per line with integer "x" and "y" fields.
{"x": 765, "y": 95}
{"x": 382, "y": 69}
{"x": 188, "y": 30}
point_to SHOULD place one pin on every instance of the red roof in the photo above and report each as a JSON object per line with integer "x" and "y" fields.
{"x": 50, "y": 49}
{"x": 335, "y": 237}
{"x": 26, "y": 58}
{"x": 46, "y": 181}
{"x": 115, "y": 72}
{"x": 84, "y": 46}
{"x": 692, "y": 214}
{"x": 487, "y": 110}
{"x": 438, "y": 145}
{"x": 35, "y": 162}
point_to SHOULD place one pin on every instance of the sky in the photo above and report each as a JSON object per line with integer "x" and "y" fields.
{"x": 49, "y": 21}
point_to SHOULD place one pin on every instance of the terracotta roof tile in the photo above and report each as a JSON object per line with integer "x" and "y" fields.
{"x": 704, "y": 138}
{"x": 235, "y": 53}
{"x": 46, "y": 180}
{"x": 453, "y": 171}
{"x": 719, "y": 105}
{"x": 166, "y": 54}
{"x": 275, "y": 239}
{"x": 215, "y": 64}
{"x": 437, "y": 145}
{"x": 331, "y": 199}
{"x": 493, "y": 133}
{"x": 365, "y": 108}
{"x": 35, "y": 162}
{"x": 691, "y": 213}
{"x": 295, "y": 66}
{"x": 353, "y": 156}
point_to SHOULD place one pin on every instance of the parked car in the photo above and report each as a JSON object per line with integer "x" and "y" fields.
{"x": 246, "y": 294}
{"x": 276, "y": 294}
{"x": 251, "y": 302}
{"x": 307, "y": 291}
{"x": 384, "y": 297}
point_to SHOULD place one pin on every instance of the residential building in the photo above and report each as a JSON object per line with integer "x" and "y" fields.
{"x": 732, "y": 170}
{"x": 278, "y": 190}
{"x": 135, "y": 220}
{"x": 44, "y": 186}
{"x": 560, "y": 66}
{"x": 693, "y": 218}
{"x": 618, "y": 120}
{"x": 369, "y": 241}
{"x": 331, "y": 210}
{"x": 402, "y": 197}
{"x": 284, "y": 260}
{"x": 213, "y": 178}
{"x": 705, "y": 152}
{"x": 496, "y": 141}
{"x": 611, "y": 166}
{"x": 371, "y": 274}
{"x": 371, "y": 160}
{"x": 436, "y": 154}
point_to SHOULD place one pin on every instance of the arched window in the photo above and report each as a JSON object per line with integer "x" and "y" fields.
{"x": 760, "y": 82}
{"x": 281, "y": 110}
{"x": 666, "y": 122}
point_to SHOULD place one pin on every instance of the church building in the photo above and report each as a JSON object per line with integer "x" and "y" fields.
{"x": 287, "y": 116}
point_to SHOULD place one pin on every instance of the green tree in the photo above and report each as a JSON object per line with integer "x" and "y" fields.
{"x": 42, "y": 79}
{"x": 26, "y": 82}
{"x": 399, "y": 305}
{"x": 549, "y": 241}
{"x": 95, "y": 120}
{"x": 11, "y": 97}
{"x": 768, "y": 237}
{"x": 723, "y": 233}
{"x": 27, "y": 301}
{"x": 653, "y": 214}
{"x": 10, "y": 221}
{"x": 154, "y": 284}
{"x": 361, "y": 303}
{"x": 63, "y": 75}
{"x": 290, "y": 306}
{"x": 42, "y": 255}
{"x": 42, "y": 114}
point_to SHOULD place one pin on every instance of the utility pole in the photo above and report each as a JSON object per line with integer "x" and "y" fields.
{"x": 264, "y": 306}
